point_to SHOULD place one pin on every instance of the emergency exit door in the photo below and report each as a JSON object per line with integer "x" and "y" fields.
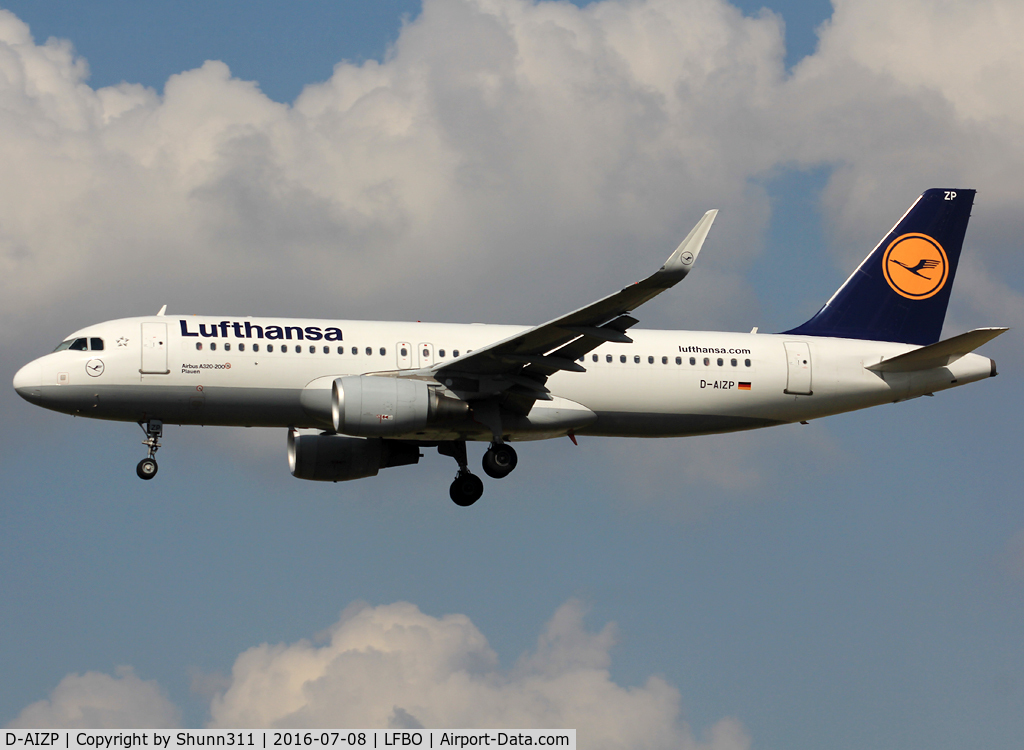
{"x": 425, "y": 354}
{"x": 798, "y": 380}
{"x": 154, "y": 349}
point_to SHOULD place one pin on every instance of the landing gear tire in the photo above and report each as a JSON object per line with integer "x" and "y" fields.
{"x": 147, "y": 468}
{"x": 466, "y": 489}
{"x": 500, "y": 460}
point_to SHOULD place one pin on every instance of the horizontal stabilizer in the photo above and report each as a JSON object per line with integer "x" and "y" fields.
{"x": 940, "y": 353}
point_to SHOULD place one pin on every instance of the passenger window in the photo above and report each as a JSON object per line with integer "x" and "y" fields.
{"x": 327, "y": 350}
{"x": 227, "y": 346}
{"x": 707, "y": 362}
{"x": 255, "y": 347}
{"x": 355, "y": 350}
{"x": 96, "y": 345}
{"x": 341, "y": 350}
{"x": 693, "y": 360}
{"x": 679, "y": 360}
{"x": 383, "y": 352}
{"x": 636, "y": 358}
{"x": 622, "y": 358}
{"x": 746, "y": 363}
{"x": 733, "y": 362}
{"x": 199, "y": 346}
{"x": 595, "y": 358}
{"x": 270, "y": 348}
{"x": 650, "y": 360}
{"x": 664, "y": 360}
{"x": 312, "y": 349}
{"x": 284, "y": 348}
{"x": 440, "y": 353}
{"x": 720, "y": 362}
{"x": 607, "y": 357}
{"x": 79, "y": 345}
{"x": 455, "y": 352}
{"x": 405, "y": 352}
{"x": 241, "y": 347}
{"x": 298, "y": 349}
{"x": 213, "y": 346}
{"x": 369, "y": 351}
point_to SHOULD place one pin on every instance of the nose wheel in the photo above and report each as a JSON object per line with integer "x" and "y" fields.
{"x": 154, "y": 430}
{"x": 147, "y": 468}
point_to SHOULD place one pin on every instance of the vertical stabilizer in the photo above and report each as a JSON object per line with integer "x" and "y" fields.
{"x": 901, "y": 290}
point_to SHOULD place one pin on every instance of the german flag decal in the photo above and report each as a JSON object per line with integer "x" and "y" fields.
{"x": 744, "y": 386}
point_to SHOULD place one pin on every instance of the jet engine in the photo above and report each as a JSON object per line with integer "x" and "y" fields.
{"x": 339, "y": 458}
{"x": 373, "y": 406}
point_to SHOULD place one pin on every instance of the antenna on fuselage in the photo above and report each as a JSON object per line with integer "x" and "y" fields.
{"x": 162, "y": 311}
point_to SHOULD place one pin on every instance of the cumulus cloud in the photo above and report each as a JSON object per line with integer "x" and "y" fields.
{"x": 501, "y": 143}
{"x": 102, "y": 701}
{"x": 393, "y": 666}
{"x": 547, "y": 137}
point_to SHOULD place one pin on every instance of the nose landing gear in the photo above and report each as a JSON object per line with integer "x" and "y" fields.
{"x": 154, "y": 430}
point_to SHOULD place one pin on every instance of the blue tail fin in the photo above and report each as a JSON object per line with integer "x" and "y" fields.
{"x": 901, "y": 290}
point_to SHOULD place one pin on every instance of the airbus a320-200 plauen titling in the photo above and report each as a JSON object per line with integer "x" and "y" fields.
{"x": 360, "y": 396}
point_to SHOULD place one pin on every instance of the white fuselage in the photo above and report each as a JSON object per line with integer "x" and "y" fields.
{"x": 278, "y": 373}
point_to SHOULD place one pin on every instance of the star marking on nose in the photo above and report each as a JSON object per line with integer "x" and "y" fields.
{"x": 122, "y": 341}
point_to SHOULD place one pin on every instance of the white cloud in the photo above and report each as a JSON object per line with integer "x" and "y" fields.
{"x": 904, "y": 97}
{"x": 548, "y": 143}
{"x": 393, "y": 665}
{"x": 503, "y": 144}
{"x": 101, "y": 701}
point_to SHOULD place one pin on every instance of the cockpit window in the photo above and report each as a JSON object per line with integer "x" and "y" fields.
{"x": 78, "y": 345}
{"x": 81, "y": 345}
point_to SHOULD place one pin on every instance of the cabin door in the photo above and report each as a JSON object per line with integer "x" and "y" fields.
{"x": 154, "y": 349}
{"x": 798, "y": 356}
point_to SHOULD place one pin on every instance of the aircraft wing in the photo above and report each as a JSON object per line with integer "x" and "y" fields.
{"x": 520, "y": 364}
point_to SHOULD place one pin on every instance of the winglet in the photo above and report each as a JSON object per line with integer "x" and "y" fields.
{"x": 681, "y": 261}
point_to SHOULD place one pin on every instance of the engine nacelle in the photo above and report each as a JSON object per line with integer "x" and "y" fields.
{"x": 373, "y": 406}
{"x": 339, "y": 458}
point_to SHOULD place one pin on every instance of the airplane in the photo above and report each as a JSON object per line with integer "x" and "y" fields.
{"x": 360, "y": 396}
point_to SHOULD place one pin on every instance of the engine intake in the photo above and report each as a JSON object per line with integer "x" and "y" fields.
{"x": 340, "y": 458}
{"x": 372, "y": 406}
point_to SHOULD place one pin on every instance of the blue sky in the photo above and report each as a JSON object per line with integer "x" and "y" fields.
{"x": 856, "y": 582}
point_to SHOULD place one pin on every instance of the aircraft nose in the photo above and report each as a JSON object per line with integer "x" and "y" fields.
{"x": 28, "y": 380}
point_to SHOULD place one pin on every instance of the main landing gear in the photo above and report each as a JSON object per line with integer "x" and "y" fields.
{"x": 154, "y": 430}
{"x": 499, "y": 461}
